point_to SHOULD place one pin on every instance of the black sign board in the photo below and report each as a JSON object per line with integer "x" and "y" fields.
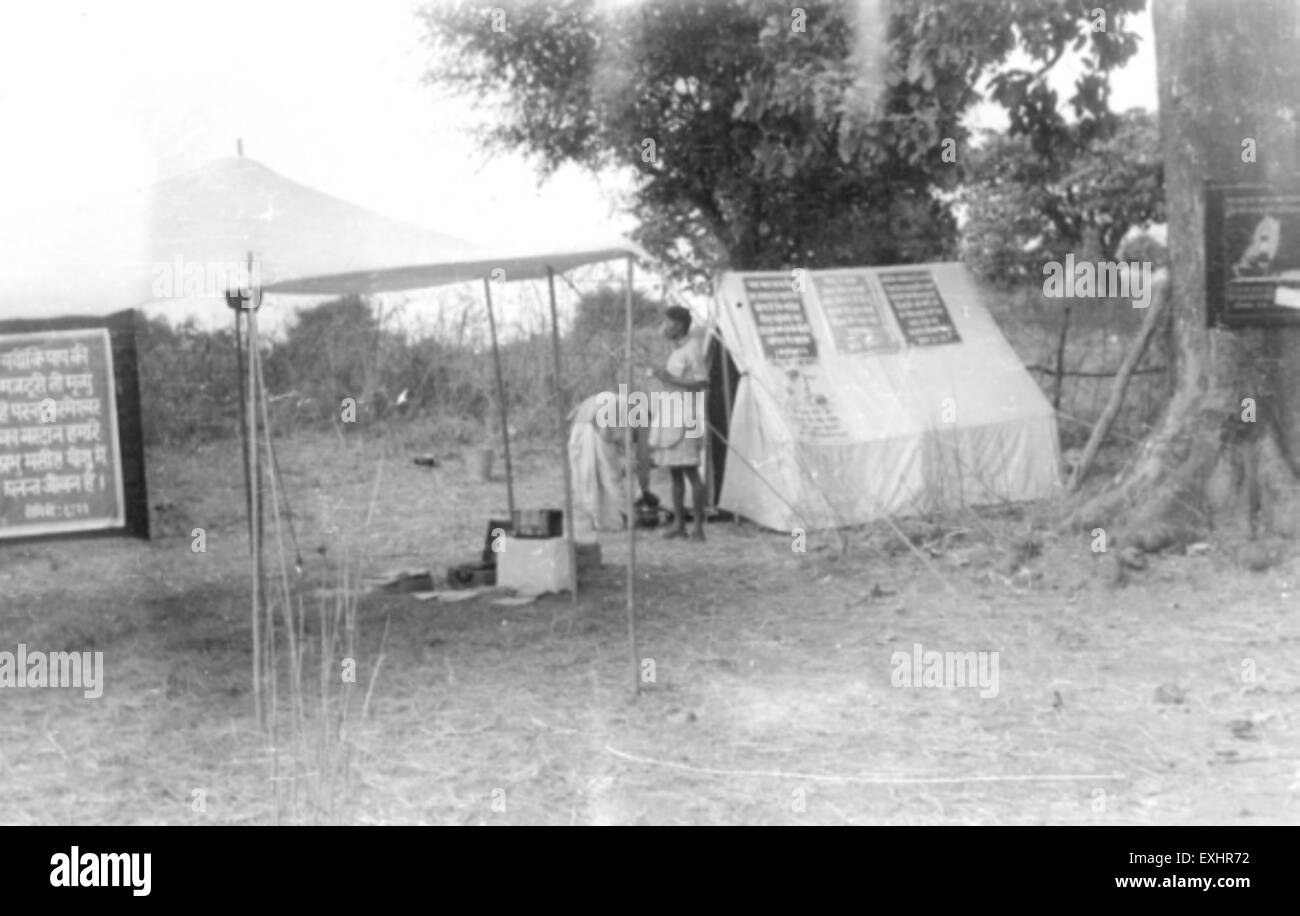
{"x": 781, "y": 319}
{"x": 71, "y": 455}
{"x": 920, "y": 311}
{"x": 852, "y": 310}
{"x": 1252, "y": 255}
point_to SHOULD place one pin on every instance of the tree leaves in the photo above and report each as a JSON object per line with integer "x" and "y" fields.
{"x": 776, "y": 146}
{"x": 1024, "y": 208}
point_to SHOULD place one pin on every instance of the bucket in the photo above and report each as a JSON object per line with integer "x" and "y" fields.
{"x": 483, "y": 461}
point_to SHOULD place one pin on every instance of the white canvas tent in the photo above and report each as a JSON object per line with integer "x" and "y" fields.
{"x": 873, "y": 392}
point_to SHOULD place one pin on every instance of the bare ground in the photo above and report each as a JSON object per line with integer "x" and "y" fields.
{"x": 772, "y": 702}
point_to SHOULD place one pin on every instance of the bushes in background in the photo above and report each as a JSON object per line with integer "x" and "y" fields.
{"x": 348, "y": 348}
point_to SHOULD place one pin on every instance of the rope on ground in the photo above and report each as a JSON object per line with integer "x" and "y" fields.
{"x": 866, "y": 778}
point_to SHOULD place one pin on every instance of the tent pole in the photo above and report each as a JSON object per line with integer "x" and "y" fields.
{"x": 243, "y": 419}
{"x": 710, "y": 498}
{"x": 629, "y": 461}
{"x": 501, "y": 398}
{"x": 254, "y": 520}
{"x": 564, "y": 439}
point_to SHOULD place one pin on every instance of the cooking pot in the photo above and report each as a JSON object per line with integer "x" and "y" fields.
{"x": 537, "y": 523}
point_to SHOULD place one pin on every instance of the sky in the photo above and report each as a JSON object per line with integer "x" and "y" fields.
{"x": 97, "y": 98}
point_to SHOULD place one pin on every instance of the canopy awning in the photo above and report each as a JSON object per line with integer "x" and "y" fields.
{"x": 516, "y": 265}
{"x": 110, "y": 255}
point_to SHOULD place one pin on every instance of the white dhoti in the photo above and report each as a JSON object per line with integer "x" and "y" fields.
{"x": 677, "y": 432}
{"x": 598, "y": 494}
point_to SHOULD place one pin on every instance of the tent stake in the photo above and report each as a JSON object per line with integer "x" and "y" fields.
{"x": 629, "y": 462}
{"x": 501, "y": 398}
{"x": 564, "y": 438}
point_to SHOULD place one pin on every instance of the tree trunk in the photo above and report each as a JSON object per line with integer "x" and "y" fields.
{"x": 1227, "y": 72}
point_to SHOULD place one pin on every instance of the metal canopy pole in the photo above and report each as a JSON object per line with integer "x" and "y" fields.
{"x": 236, "y": 306}
{"x": 710, "y": 498}
{"x": 254, "y": 491}
{"x": 501, "y": 398}
{"x": 629, "y": 463}
{"x": 564, "y": 439}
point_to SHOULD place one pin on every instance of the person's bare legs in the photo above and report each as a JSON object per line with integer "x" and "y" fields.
{"x": 679, "y": 503}
{"x": 697, "y": 501}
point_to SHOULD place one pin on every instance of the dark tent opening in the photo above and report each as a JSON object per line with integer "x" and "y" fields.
{"x": 723, "y": 376}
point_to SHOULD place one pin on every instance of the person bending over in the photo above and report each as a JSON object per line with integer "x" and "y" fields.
{"x": 678, "y": 448}
{"x": 595, "y": 446}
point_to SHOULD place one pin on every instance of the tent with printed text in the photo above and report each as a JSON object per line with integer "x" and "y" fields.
{"x": 870, "y": 392}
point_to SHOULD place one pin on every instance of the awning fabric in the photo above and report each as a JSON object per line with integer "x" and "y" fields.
{"x": 123, "y": 253}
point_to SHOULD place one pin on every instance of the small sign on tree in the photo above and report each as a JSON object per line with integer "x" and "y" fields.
{"x": 1252, "y": 255}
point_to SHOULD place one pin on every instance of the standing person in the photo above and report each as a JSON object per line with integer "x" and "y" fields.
{"x": 678, "y": 448}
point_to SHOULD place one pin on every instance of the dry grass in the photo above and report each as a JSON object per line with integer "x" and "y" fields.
{"x": 772, "y": 700}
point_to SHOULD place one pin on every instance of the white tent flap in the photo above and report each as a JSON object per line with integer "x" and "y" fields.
{"x": 876, "y": 391}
